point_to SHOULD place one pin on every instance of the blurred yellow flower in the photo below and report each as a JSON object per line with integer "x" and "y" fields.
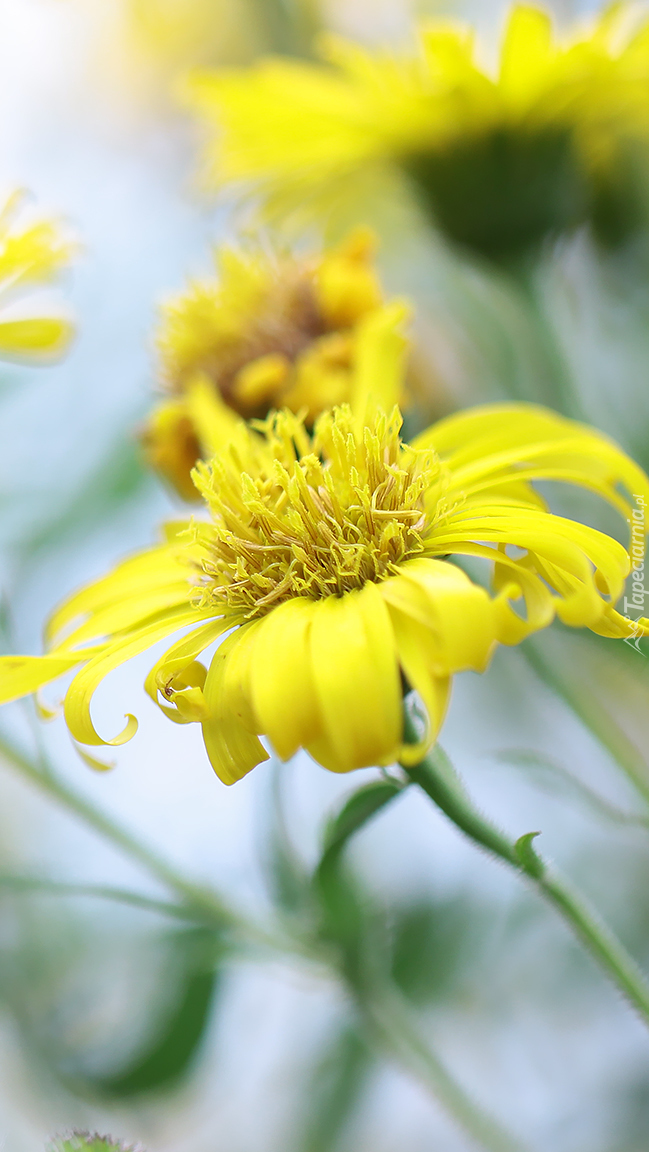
{"x": 30, "y": 257}
{"x": 556, "y": 135}
{"x": 141, "y": 45}
{"x": 269, "y": 332}
{"x": 325, "y": 560}
{"x": 186, "y": 31}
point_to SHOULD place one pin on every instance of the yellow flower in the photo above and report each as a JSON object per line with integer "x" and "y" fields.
{"x": 29, "y": 257}
{"x": 270, "y": 332}
{"x": 556, "y": 135}
{"x": 148, "y": 41}
{"x": 326, "y": 561}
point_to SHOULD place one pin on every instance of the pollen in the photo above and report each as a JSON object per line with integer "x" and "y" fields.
{"x": 312, "y": 515}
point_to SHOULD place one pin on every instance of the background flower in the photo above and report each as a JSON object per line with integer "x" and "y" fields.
{"x": 556, "y": 137}
{"x": 271, "y": 331}
{"x": 30, "y": 256}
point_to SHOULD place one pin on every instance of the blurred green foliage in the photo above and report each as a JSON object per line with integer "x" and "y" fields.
{"x": 87, "y": 1142}
{"x": 177, "y": 1033}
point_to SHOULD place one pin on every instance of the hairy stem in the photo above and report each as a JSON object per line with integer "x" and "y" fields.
{"x": 436, "y": 776}
{"x": 387, "y": 1017}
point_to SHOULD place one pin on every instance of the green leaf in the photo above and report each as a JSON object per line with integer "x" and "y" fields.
{"x": 333, "y": 1089}
{"x": 289, "y": 881}
{"x": 346, "y": 914}
{"x": 357, "y": 810}
{"x": 170, "y": 1053}
{"x": 527, "y": 857}
{"x": 437, "y": 943}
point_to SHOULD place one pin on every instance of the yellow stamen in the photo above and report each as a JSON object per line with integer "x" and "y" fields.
{"x": 290, "y": 524}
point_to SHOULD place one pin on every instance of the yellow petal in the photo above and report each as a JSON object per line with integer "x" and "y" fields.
{"x": 147, "y": 571}
{"x": 163, "y": 677}
{"x": 322, "y": 376}
{"x": 171, "y": 446}
{"x": 35, "y": 339}
{"x": 357, "y": 678}
{"x": 488, "y": 445}
{"x": 526, "y": 54}
{"x": 92, "y": 761}
{"x": 22, "y": 675}
{"x": 347, "y": 286}
{"x": 257, "y": 384}
{"x": 458, "y": 614}
{"x": 562, "y": 551}
{"x": 512, "y": 580}
{"x": 79, "y": 695}
{"x": 131, "y": 613}
{"x": 230, "y": 741}
{"x": 416, "y": 648}
{"x": 213, "y": 420}
{"x": 282, "y": 683}
{"x": 380, "y": 352}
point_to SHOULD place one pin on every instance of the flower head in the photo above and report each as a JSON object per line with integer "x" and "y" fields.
{"x": 269, "y": 332}
{"x": 30, "y": 257}
{"x": 557, "y": 135}
{"x": 326, "y": 570}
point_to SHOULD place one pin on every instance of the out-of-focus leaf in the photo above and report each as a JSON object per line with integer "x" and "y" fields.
{"x": 288, "y": 879}
{"x": 593, "y": 681}
{"x": 333, "y": 1091}
{"x": 40, "y": 886}
{"x": 346, "y": 915}
{"x": 290, "y": 26}
{"x": 357, "y": 810}
{"x": 631, "y": 1115}
{"x": 176, "y": 1040}
{"x": 88, "y": 1142}
{"x": 435, "y": 943}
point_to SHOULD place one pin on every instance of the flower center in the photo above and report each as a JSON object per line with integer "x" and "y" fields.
{"x": 312, "y": 517}
{"x": 286, "y": 323}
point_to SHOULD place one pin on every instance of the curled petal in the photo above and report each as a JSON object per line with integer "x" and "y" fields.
{"x": 79, "y": 695}
{"x": 22, "y": 675}
{"x": 135, "y": 578}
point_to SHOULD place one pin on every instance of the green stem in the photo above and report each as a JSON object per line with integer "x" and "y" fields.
{"x": 390, "y": 1020}
{"x": 203, "y": 904}
{"x": 559, "y": 391}
{"x": 392, "y": 1028}
{"x": 40, "y": 886}
{"x": 395, "y": 1031}
{"x": 48, "y": 782}
{"x": 436, "y": 776}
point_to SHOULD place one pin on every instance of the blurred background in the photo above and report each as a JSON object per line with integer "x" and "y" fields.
{"x": 111, "y": 1016}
